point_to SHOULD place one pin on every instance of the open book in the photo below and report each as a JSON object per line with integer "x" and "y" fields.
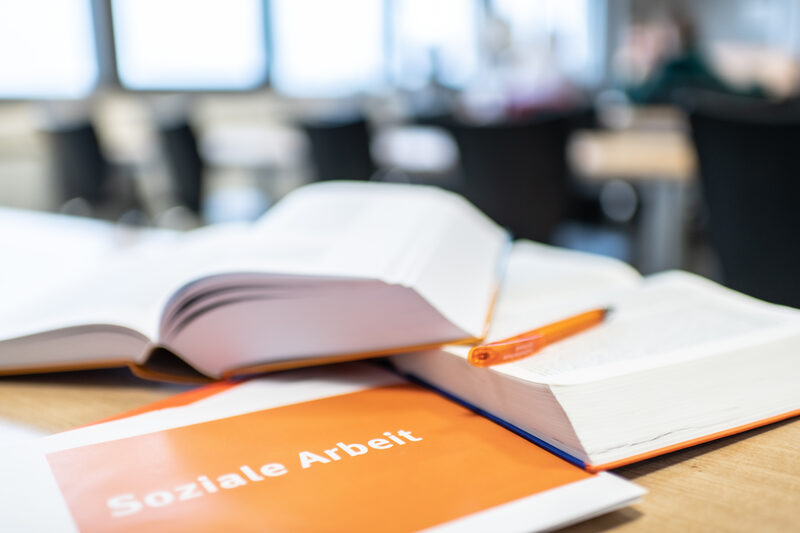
{"x": 335, "y": 271}
{"x": 341, "y": 448}
{"x": 680, "y": 360}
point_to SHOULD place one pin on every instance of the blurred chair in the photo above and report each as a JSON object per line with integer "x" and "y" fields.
{"x": 184, "y": 163}
{"x": 79, "y": 166}
{"x": 340, "y": 150}
{"x": 583, "y": 202}
{"x": 517, "y": 172}
{"x": 749, "y": 162}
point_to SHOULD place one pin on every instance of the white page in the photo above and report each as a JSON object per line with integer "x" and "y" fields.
{"x": 344, "y": 229}
{"x": 544, "y": 283}
{"x": 42, "y": 251}
{"x": 74, "y": 272}
{"x": 130, "y": 287}
{"x": 378, "y": 231}
{"x": 348, "y": 229}
{"x": 420, "y": 237}
{"x": 461, "y": 259}
{"x": 57, "y": 270}
{"x": 671, "y": 317}
{"x": 60, "y": 271}
{"x": 126, "y": 287}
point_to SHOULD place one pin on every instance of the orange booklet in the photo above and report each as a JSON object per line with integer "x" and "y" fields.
{"x": 346, "y": 448}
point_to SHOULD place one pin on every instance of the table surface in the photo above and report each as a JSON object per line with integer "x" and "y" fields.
{"x": 747, "y": 482}
{"x": 637, "y": 155}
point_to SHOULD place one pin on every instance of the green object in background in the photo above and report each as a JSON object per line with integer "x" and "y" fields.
{"x": 686, "y": 71}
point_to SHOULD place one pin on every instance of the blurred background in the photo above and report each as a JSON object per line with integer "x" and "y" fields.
{"x": 660, "y": 132}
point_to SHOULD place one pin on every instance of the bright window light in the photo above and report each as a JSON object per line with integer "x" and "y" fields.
{"x": 327, "y": 48}
{"x": 47, "y": 49}
{"x": 435, "y": 38}
{"x": 190, "y": 44}
{"x": 571, "y": 26}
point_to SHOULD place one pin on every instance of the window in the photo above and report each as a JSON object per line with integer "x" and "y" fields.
{"x": 572, "y": 30}
{"x": 435, "y": 39}
{"x": 190, "y": 44}
{"x": 47, "y": 49}
{"x": 327, "y": 48}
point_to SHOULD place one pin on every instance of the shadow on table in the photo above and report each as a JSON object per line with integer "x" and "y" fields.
{"x": 105, "y": 377}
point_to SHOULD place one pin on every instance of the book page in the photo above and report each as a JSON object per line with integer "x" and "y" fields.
{"x": 420, "y": 237}
{"x": 457, "y": 263}
{"x": 543, "y": 283}
{"x": 672, "y": 317}
{"x": 68, "y": 272}
{"x": 130, "y": 286}
{"x": 43, "y": 251}
{"x": 376, "y": 231}
{"x": 384, "y": 232}
{"x": 60, "y": 271}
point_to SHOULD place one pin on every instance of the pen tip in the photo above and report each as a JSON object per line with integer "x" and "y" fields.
{"x": 607, "y": 311}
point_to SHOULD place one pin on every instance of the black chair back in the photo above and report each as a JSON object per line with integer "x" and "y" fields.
{"x": 340, "y": 150}
{"x": 184, "y": 163}
{"x": 517, "y": 173}
{"x": 78, "y": 164}
{"x": 749, "y": 162}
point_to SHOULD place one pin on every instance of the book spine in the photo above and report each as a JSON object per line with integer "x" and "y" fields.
{"x": 497, "y": 420}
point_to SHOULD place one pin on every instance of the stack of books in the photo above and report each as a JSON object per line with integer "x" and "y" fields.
{"x": 342, "y": 271}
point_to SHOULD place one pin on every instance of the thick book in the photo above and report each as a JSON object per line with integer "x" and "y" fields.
{"x": 335, "y": 271}
{"x": 680, "y": 360}
{"x": 349, "y": 447}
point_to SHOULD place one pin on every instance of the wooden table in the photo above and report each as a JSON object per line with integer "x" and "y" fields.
{"x": 747, "y": 482}
{"x": 639, "y": 155}
{"x": 61, "y": 401}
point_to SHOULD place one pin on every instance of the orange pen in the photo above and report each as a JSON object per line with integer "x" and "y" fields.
{"x": 530, "y": 342}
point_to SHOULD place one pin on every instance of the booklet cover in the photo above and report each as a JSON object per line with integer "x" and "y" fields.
{"x": 346, "y": 448}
